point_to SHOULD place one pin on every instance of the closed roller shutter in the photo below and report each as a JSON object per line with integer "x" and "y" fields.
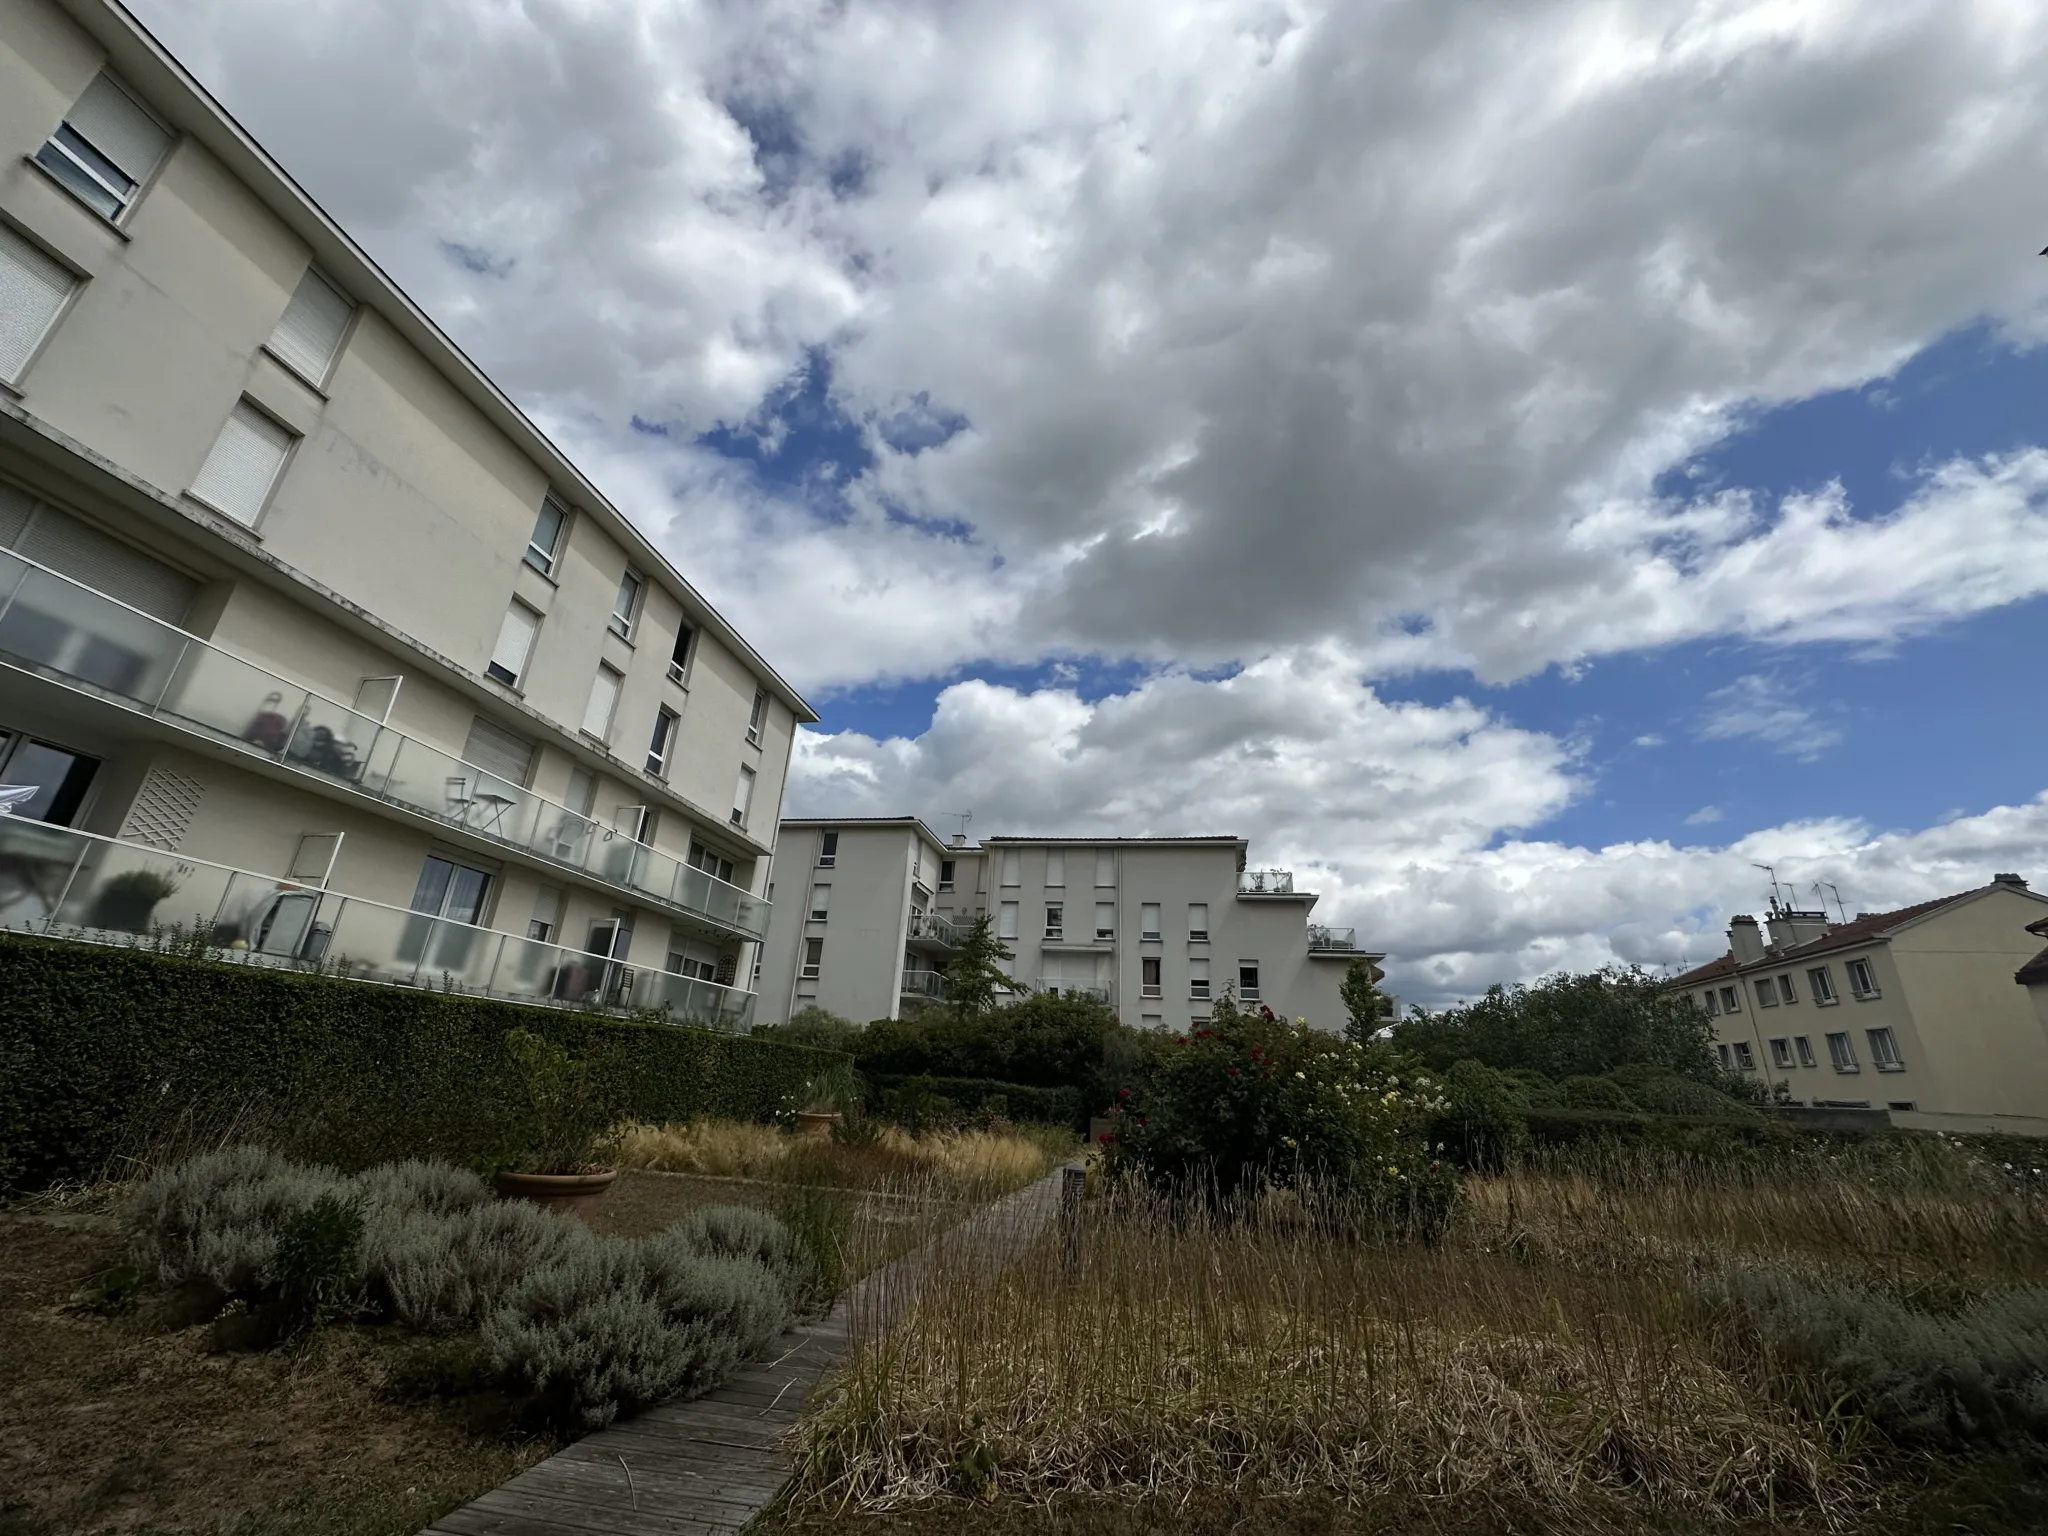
{"x": 310, "y": 332}
{"x": 99, "y": 561}
{"x": 108, "y": 118}
{"x": 33, "y": 288}
{"x": 506, "y": 754}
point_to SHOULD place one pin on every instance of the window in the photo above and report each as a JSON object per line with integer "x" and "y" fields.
{"x": 1198, "y": 922}
{"x": 686, "y": 965}
{"x": 1766, "y": 992}
{"x": 1055, "y": 866}
{"x": 515, "y": 643}
{"x": 828, "y": 849}
{"x": 1105, "y": 866}
{"x": 626, "y": 603}
{"x": 1884, "y": 1050}
{"x": 1862, "y": 979}
{"x": 1006, "y": 920}
{"x": 1013, "y": 867}
{"x": 1148, "y": 920}
{"x": 663, "y": 742}
{"x": 715, "y": 864}
{"x": 1151, "y": 1021}
{"x": 61, "y": 778}
{"x": 814, "y": 957}
{"x": 1198, "y": 978}
{"x": 105, "y": 148}
{"x": 454, "y": 891}
{"x": 1906, "y": 1104}
{"x": 1745, "y": 1058}
{"x": 679, "y": 658}
{"x": 1055, "y": 921}
{"x": 1726, "y": 1064}
{"x": 546, "y": 543}
{"x": 1842, "y": 1053}
{"x": 1781, "y": 1053}
{"x": 1105, "y": 920}
{"x": 238, "y": 474}
{"x": 1785, "y": 992}
{"x": 502, "y": 754}
{"x": 947, "y": 869}
{"x": 1248, "y": 980}
{"x": 1805, "y": 1051}
{"x": 1148, "y": 975}
{"x": 546, "y": 921}
{"x": 1728, "y": 1001}
{"x": 757, "y": 717}
{"x": 604, "y": 698}
{"x": 1713, "y": 1007}
{"x": 821, "y": 902}
{"x": 743, "y": 797}
{"x": 309, "y": 334}
{"x": 33, "y": 290}
{"x": 1820, "y": 985}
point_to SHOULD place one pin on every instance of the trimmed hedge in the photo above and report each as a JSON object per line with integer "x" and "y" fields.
{"x": 105, "y": 1052}
{"x": 920, "y": 1102}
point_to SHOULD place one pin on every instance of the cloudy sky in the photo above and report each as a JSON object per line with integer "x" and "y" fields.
{"x": 1519, "y": 462}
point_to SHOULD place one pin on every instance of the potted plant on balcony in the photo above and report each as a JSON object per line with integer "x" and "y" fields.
{"x": 128, "y": 901}
{"x": 561, "y": 1125}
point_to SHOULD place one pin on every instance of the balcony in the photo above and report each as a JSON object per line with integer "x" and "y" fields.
{"x": 1265, "y": 882}
{"x": 1054, "y": 986}
{"x": 925, "y": 984}
{"x": 54, "y": 627}
{"x": 66, "y": 884}
{"x": 929, "y": 931}
{"x": 1325, "y": 940}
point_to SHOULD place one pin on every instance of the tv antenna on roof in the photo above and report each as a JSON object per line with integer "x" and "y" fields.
{"x": 1777, "y": 903}
{"x": 1829, "y": 885}
{"x": 964, "y": 818}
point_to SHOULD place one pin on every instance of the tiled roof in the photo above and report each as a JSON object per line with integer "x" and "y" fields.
{"x": 2035, "y": 972}
{"x": 1725, "y": 966}
{"x": 1869, "y": 925}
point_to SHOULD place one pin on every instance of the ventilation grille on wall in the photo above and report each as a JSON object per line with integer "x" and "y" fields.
{"x": 163, "y": 810}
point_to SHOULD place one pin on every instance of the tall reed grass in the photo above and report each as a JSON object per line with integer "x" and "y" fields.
{"x": 951, "y": 1165}
{"x": 1558, "y": 1345}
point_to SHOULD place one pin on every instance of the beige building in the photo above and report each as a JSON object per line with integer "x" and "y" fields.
{"x": 870, "y": 912}
{"x": 2034, "y": 976}
{"x": 1912, "y": 1011}
{"x": 305, "y": 631}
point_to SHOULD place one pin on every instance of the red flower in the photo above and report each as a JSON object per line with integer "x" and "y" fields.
{"x": 1106, "y": 1137}
{"x": 1123, "y": 1093}
{"x": 1233, "y": 1071}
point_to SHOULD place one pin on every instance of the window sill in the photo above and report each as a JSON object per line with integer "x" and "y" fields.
{"x": 1827, "y": 1002}
{"x": 624, "y": 638}
{"x": 227, "y": 517}
{"x": 1848, "y": 1071}
{"x": 1149, "y": 938}
{"x": 1152, "y": 996}
{"x": 277, "y": 358}
{"x": 1896, "y": 1067}
{"x": 545, "y": 573}
{"x": 1868, "y": 997}
{"x": 97, "y": 217}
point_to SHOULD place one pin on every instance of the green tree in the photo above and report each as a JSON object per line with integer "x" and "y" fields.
{"x": 1569, "y": 1025}
{"x": 974, "y": 977}
{"x": 1367, "y": 1005}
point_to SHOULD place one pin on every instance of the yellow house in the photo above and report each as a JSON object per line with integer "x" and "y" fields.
{"x": 1913, "y": 1011}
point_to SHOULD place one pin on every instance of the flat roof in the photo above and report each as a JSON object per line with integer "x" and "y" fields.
{"x": 175, "y": 94}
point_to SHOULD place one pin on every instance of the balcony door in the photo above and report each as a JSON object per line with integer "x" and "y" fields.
{"x": 58, "y": 777}
{"x": 455, "y": 893}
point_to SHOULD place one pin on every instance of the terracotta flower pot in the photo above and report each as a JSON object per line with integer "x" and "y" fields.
{"x": 576, "y": 1193}
{"x": 818, "y": 1122}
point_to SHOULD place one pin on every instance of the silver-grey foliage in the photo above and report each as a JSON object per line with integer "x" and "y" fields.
{"x": 217, "y": 1216}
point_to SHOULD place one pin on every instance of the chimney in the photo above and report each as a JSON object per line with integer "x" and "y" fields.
{"x": 959, "y": 839}
{"x": 2012, "y": 880}
{"x": 1745, "y": 940}
{"x": 1788, "y": 927}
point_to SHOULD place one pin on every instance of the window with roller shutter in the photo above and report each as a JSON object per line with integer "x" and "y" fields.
{"x": 238, "y": 474}
{"x": 504, "y": 754}
{"x": 105, "y": 149}
{"x": 33, "y": 289}
{"x": 71, "y": 547}
{"x": 308, "y": 337}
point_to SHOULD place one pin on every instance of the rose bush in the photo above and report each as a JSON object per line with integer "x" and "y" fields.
{"x": 1250, "y": 1099}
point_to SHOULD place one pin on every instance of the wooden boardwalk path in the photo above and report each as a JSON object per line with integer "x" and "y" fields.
{"x": 708, "y": 1466}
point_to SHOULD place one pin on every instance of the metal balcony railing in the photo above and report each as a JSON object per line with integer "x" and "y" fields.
{"x": 930, "y": 984}
{"x": 1265, "y": 882}
{"x": 69, "y": 884}
{"x": 86, "y": 640}
{"x": 1054, "y": 986}
{"x": 1324, "y": 938}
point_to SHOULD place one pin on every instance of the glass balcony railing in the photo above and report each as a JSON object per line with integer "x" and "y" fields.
{"x": 1053, "y": 986}
{"x": 69, "y": 884}
{"x": 1265, "y": 882}
{"x": 1321, "y": 937}
{"x": 936, "y": 930}
{"x": 930, "y": 984}
{"x": 76, "y": 635}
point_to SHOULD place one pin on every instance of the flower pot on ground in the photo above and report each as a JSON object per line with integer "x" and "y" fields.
{"x": 562, "y": 1129}
{"x": 127, "y": 902}
{"x": 818, "y": 1120}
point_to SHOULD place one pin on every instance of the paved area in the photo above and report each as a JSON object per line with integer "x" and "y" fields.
{"x": 711, "y": 1464}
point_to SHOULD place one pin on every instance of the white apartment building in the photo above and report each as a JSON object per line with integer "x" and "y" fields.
{"x": 871, "y": 911}
{"x": 1912, "y": 1011}
{"x": 305, "y": 631}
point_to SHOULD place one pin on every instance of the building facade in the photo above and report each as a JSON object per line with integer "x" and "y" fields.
{"x": 870, "y": 912}
{"x": 1912, "y": 1011}
{"x": 306, "y": 633}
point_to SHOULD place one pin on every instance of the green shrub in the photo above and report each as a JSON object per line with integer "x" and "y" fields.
{"x": 319, "y": 1262}
{"x": 816, "y": 1027}
{"x": 433, "y": 1271}
{"x": 612, "y": 1326}
{"x": 1595, "y": 1093}
{"x": 1971, "y": 1378}
{"x": 1483, "y": 1121}
{"x": 1536, "y": 1090}
{"x": 949, "y": 1103}
{"x": 1252, "y": 1099}
{"x": 109, "y": 1051}
{"x": 1569, "y": 1025}
{"x": 218, "y": 1217}
{"x": 436, "y": 1189}
{"x": 1663, "y": 1092}
{"x": 742, "y": 1232}
{"x": 1041, "y": 1042}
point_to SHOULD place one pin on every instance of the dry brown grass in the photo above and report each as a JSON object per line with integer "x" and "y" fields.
{"x": 950, "y": 1165}
{"x": 1549, "y": 1352}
